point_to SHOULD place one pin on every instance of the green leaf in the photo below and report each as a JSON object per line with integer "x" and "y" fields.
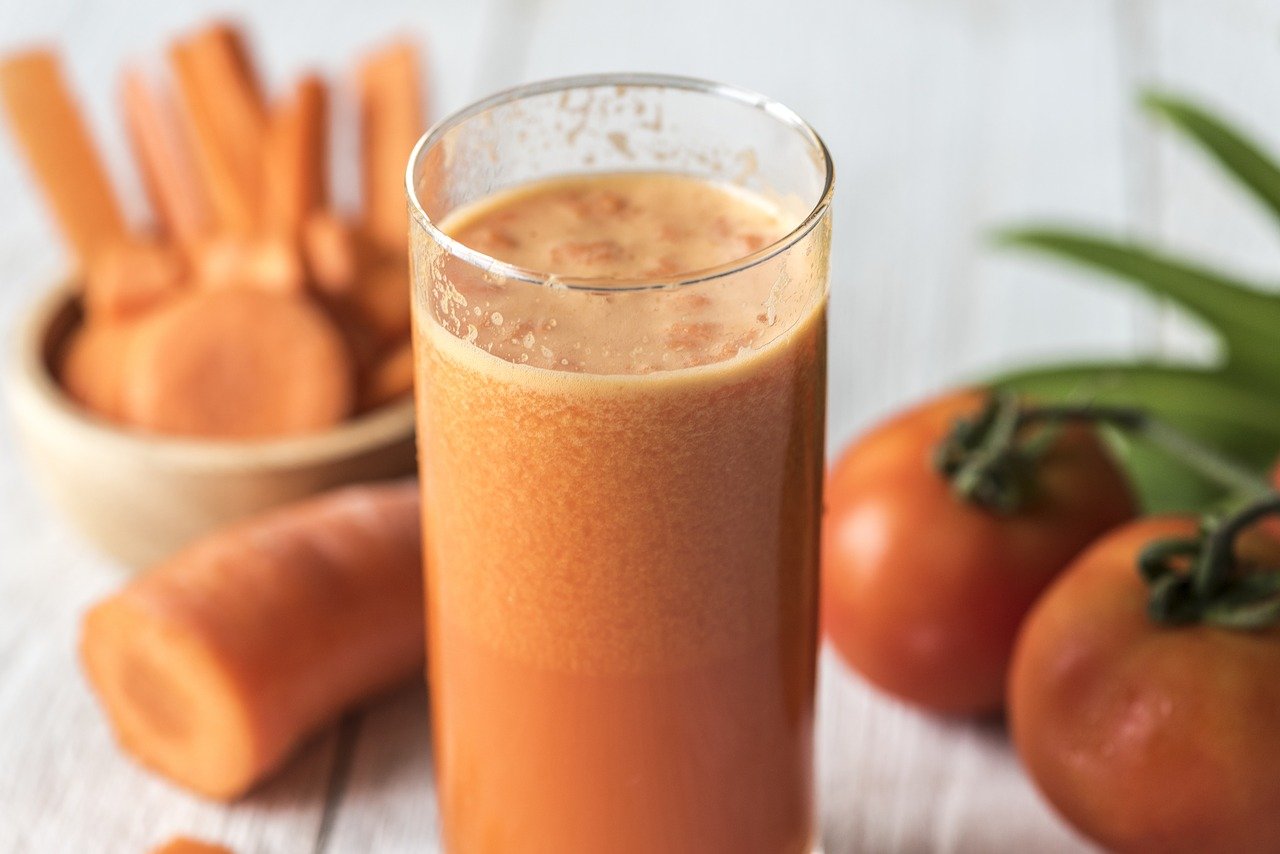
{"x": 1210, "y": 406}
{"x": 1246, "y": 318}
{"x": 1238, "y": 155}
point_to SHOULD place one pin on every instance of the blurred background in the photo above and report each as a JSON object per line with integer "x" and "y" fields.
{"x": 946, "y": 118}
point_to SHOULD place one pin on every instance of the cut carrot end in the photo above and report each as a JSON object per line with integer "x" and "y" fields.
{"x": 165, "y": 694}
{"x": 215, "y": 665}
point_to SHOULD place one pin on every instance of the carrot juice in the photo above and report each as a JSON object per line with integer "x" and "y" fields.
{"x": 621, "y": 385}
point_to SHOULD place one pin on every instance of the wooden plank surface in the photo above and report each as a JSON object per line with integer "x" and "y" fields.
{"x": 946, "y": 118}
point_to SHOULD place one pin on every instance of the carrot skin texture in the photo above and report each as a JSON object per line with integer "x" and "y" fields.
{"x": 391, "y": 120}
{"x": 214, "y": 666}
{"x": 164, "y": 159}
{"x": 45, "y": 120}
{"x": 227, "y": 121}
{"x": 295, "y": 177}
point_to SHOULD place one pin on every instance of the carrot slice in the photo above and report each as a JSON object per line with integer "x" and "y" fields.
{"x": 390, "y": 378}
{"x": 227, "y": 119}
{"x": 164, "y": 159}
{"x": 391, "y": 120}
{"x": 127, "y": 279}
{"x": 91, "y": 367}
{"x": 215, "y": 665}
{"x": 47, "y": 124}
{"x": 187, "y": 845}
{"x": 295, "y": 174}
{"x": 237, "y": 364}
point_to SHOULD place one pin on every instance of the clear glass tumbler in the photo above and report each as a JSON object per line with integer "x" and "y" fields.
{"x": 622, "y": 524}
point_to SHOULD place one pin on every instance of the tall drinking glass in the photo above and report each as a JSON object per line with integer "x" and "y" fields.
{"x": 622, "y": 482}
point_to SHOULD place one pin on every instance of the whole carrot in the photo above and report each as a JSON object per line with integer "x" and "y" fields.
{"x": 215, "y": 665}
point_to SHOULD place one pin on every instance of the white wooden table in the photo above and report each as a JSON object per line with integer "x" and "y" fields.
{"x": 945, "y": 117}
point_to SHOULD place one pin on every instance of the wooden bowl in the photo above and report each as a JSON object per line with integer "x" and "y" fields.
{"x": 139, "y": 496}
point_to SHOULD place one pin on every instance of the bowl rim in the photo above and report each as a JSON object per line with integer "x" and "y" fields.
{"x": 29, "y": 376}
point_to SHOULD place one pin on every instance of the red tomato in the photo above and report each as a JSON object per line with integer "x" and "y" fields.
{"x": 1149, "y": 738}
{"x": 923, "y": 592}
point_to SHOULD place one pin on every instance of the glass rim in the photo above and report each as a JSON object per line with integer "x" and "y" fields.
{"x": 747, "y": 97}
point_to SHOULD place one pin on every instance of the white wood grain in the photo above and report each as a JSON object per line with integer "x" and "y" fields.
{"x": 389, "y": 800}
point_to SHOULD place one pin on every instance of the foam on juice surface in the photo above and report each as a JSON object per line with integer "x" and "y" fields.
{"x": 621, "y": 232}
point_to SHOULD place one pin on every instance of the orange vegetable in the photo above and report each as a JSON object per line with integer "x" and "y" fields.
{"x": 269, "y": 263}
{"x": 187, "y": 845}
{"x": 238, "y": 364}
{"x": 215, "y": 665}
{"x": 128, "y": 278}
{"x": 295, "y": 176}
{"x": 44, "y": 119}
{"x": 227, "y": 119}
{"x": 330, "y": 251}
{"x": 91, "y": 367}
{"x": 391, "y": 120}
{"x": 164, "y": 159}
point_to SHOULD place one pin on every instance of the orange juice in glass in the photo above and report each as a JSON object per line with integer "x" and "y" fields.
{"x": 620, "y": 288}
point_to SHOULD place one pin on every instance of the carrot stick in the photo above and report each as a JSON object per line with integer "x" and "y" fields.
{"x": 216, "y": 664}
{"x": 227, "y": 119}
{"x": 391, "y": 120}
{"x": 331, "y": 253}
{"x": 295, "y": 172}
{"x": 390, "y": 378}
{"x": 164, "y": 159}
{"x": 238, "y": 364}
{"x": 187, "y": 845}
{"x": 129, "y": 278}
{"x": 47, "y": 124}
